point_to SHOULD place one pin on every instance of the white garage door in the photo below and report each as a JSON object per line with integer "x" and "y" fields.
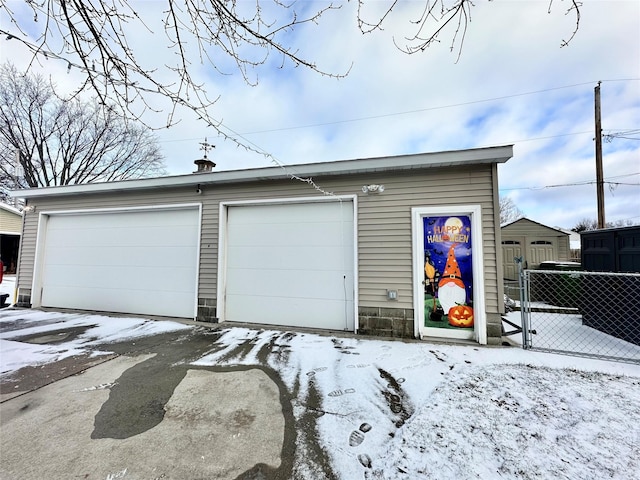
{"x": 291, "y": 264}
{"x": 134, "y": 261}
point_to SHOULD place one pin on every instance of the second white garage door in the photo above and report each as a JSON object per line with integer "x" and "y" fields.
{"x": 291, "y": 264}
{"x": 131, "y": 261}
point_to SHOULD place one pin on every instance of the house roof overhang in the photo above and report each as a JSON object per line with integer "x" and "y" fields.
{"x": 451, "y": 158}
{"x": 10, "y": 209}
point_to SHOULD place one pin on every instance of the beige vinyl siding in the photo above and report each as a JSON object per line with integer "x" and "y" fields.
{"x": 10, "y": 222}
{"x": 525, "y": 227}
{"x": 26, "y": 253}
{"x": 527, "y": 231}
{"x": 564, "y": 251}
{"x": 384, "y": 221}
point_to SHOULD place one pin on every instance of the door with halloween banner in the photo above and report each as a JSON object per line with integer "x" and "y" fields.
{"x": 445, "y": 273}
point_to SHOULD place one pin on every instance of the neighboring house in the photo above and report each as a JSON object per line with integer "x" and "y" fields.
{"x": 366, "y": 252}
{"x": 534, "y": 243}
{"x": 574, "y": 244}
{"x": 10, "y": 230}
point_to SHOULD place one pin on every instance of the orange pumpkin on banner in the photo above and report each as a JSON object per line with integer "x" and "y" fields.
{"x": 461, "y": 316}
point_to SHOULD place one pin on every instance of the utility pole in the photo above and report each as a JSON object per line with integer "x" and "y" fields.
{"x": 599, "y": 172}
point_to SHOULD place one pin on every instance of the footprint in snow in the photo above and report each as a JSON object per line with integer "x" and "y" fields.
{"x": 357, "y": 436}
{"x": 339, "y": 393}
{"x": 340, "y": 346}
{"x": 396, "y": 398}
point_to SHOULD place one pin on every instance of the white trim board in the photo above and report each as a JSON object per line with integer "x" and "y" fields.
{"x": 223, "y": 265}
{"x": 476, "y": 156}
{"x": 144, "y": 256}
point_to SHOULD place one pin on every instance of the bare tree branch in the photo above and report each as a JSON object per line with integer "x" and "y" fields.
{"x": 509, "y": 211}
{"x": 98, "y": 38}
{"x": 63, "y": 142}
{"x": 93, "y": 37}
{"x": 439, "y": 18}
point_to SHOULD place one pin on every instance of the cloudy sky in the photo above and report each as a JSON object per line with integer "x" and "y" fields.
{"x": 511, "y": 84}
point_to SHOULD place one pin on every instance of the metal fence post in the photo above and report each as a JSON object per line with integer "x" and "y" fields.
{"x": 524, "y": 321}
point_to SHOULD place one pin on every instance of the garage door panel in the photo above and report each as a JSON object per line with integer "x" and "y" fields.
{"x": 104, "y": 237}
{"x": 123, "y": 301}
{"x": 252, "y": 282}
{"x": 131, "y": 261}
{"x": 323, "y": 258}
{"x": 123, "y": 229}
{"x": 279, "y": 311}
{"x": 292, "y": 213}
{"x": 111, "y": 277}
{"x": 291, "y": 264}
{"x": 287, "y": 234}
{"x": 172, "y": 257}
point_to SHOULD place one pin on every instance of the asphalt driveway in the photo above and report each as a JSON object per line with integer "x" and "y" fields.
{"x": 141, "y": 411}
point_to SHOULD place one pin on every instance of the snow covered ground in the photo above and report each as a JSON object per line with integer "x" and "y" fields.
{"x": 566, "y": 332}
{"x": 412, "y": 410}
{"x": 15, "y": 355}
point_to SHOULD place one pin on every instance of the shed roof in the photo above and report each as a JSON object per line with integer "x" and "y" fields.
{"x": 9, "y": 208}
{"x": 343, "y": 167}
{"x": 533, "y": 222}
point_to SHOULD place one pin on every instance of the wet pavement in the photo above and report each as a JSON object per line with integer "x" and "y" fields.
{"x": 142, "y": 411}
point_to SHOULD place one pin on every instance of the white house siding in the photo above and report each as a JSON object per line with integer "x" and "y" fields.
{"x": 384, "y": 222}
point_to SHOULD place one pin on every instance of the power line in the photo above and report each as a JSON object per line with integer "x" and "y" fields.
{"x": 624, "y": 134}
{"x": 578, "y": 184}
{"x": 426, "y": 109}
{"x": 409, "y": 112}
{"x": 37, "y": 49}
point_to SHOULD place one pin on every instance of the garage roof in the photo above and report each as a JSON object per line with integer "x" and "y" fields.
{"x": 451, "y": 158}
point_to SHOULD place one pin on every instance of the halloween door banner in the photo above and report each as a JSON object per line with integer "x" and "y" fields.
{"x": 448, "y": 275}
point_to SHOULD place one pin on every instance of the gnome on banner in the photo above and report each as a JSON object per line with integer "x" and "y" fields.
{"x": 451, "y": 288}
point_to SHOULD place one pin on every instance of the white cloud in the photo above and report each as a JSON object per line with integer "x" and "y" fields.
{"x": 510, "y": 48}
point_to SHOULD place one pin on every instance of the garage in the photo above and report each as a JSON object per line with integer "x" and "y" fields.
{"x": 142, "y": 261}
{"x": 331, "y": 245}
{"x": 289, "y": 263}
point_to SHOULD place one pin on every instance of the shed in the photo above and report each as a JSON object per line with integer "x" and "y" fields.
{"x": 10, "y": 230}
{"x": 387, "y": 246}
{"x": 534, "y": 242}
{"x": 612, "y": 250}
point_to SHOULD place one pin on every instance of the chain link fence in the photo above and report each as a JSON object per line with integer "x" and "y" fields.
{"x": 581, "y": 313}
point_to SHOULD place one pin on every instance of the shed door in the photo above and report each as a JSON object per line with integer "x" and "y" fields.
{"x": 541, "y": 251}
{"x": 511, "y": 249}
{"x": 291, "y": 264}
{"x": 142, "y": 262}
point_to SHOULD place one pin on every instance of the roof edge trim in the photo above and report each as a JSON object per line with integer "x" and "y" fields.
{"x": 474, "y": 156}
